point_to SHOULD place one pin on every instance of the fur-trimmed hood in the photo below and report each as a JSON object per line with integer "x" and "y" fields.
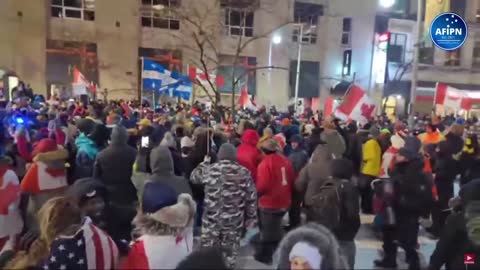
{"x": 169, "y": 220}
{"x": 317, "y": 236}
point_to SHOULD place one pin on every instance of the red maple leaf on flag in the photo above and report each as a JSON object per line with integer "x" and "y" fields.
{"x": 7, "y": 196}
{"x": 367, "y": 110}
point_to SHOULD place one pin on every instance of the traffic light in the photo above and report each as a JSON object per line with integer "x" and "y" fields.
{"x": 383, "y": 40}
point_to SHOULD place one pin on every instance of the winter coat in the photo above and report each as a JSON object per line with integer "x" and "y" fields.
{"x": 350, "y": 213}
{"x": 230, "y": 195}
{"x": 356, "y": 149}
{"x": 335, "y": 142}
{"x": 412, "y": 188}
{"x": 114, "y": 167}
{"x": 445, "y": 172}
{"x": 371, "y": 158}
{"x": 248, "y": 154}
{"x": 431, "y": 138}
{"x": 275, "y": 180}
{"x": 299, "y": 159}
{"x": 313, "y": 141}
{"x": 162, "y": 166}
{"x": 317, "y": 236}
{"x": 87, "y": 151}
{"x": 314, "y": 174}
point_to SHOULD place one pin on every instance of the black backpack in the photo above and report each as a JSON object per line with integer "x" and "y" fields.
{"x": 326, "y": 207}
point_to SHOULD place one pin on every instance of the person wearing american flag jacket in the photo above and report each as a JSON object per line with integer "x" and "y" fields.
{"x": 165, "y": 226}
{"x": 68, "y": 240}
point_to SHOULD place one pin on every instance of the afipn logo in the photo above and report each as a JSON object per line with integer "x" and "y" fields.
{"x": 448, "y": 31}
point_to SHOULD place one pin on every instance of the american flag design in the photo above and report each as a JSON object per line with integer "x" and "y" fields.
{"x": 88, "y": 248}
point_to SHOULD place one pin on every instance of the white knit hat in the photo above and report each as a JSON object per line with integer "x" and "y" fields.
{"x": 186, "y": 142}
{"x": 307, "y": 252}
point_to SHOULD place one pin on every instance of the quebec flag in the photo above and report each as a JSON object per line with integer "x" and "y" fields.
{"x": 162, "y": 81}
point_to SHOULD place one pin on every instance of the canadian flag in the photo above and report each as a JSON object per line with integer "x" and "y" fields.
{"x": 245, "y": 101}
{"x": 452, "y": 98}
{"x": 356, "y": 106}
{"x": 40, "y": 177}
{"x": 80, "y": 81}
{"x": 11, "y": 223}
{"x": 200, "y": 76}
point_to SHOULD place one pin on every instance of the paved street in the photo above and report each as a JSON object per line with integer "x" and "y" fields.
{"x": 368, "y": 249}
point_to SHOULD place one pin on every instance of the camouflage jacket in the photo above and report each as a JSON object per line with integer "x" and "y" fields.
{"x": 230, "y": 194}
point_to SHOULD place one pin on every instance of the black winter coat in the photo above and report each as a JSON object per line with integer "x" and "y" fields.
{"x": 350, "y": 214}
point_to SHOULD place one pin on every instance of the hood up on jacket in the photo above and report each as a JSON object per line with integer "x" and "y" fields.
{"x": 119, "y": 136}
{"x": 317, "y": 236}
{"x": 161, "y": 161}
{"x": 250, "y": 137}
{"x": 86, "y": 145}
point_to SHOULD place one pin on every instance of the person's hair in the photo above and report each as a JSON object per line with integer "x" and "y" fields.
{"x": 204, "y": 258}
{"x": 342, "y": 168}
{"x": 57, "y": 216}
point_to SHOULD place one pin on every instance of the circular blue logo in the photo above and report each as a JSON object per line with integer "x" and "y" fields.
{"x": 448, "y": 31}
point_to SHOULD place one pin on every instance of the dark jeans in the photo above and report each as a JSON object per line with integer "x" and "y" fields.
{"x": 366, "y": 193}
{"x": 271, "y": 232}
{"x": 405, "y": 235}
{"x": 440, "y": 210}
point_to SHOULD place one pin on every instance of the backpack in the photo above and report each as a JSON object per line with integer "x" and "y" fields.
{"x": 327, "y": 207}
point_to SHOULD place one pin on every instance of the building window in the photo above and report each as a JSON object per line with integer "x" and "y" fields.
{"x": 396, "y": 48}
{"x": 476, "y": 54}
{"x": 347, "y": 32}
{"x": 160, "y": 14}
{"x": 74, "y": 9}
{"x": 452, "y": 58}
{"x": 426, "y": 55}
{"x": 347, "y": 62}
{"x": 307, "y": 14}
{"x": 239, "y": 21}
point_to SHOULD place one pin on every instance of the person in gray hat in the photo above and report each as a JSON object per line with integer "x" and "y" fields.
{"x": 230, "y": 201}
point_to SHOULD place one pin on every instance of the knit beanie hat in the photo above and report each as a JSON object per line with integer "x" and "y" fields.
{"x": 411, "y": 148}
{"x": 161, "y": 203}
{"x": 281, "y": 141}
{"x": 307, "y": 252}
{"x": 168, "y": 140}
{"x": 296, "y": 139}
{"x": 227, "y": 152}
{"x": 86, "y": 188}
{"x": 186, "y": 142}
{"x": 374, "y": 131}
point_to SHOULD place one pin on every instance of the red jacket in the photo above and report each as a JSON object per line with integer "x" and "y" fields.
{"x": 248, "y": 154}
{"x": 275, "y": 180}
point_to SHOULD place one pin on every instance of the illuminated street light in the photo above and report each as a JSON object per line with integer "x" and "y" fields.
{"x": 387, "y": 3}
{"x": 277, "y": 39}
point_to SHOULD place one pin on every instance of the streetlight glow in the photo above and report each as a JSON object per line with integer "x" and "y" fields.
{"x": 277, "y": 39}
{"x": 387, "y": 3}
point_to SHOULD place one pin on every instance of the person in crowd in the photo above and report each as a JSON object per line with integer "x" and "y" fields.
{"x": 460, "y": 235}
{"x": 334, "y": 141}
{"x": 45, "y": 178}
{"x": 170, "y": 142}
{"x": 431, "y": 135}
{"x": 388, "y": 158}
{"x": 412, "y": 199}
{"x": 384, "y": 139}
{"x": 248, "y": 154}
{"x": 349, "y": 208}
{"x": 313, "y": 141}
{"x": 309, "y": 247}
{"x": 204, "y": 258}
{"x": 275, "y": 180}
{"x": 11, "y": 222}
{"x": 114, "y": 167}
{"x": 267, "y": 134}
{"x": 469, "y": 160}
{"x": 87, "y": 151}
{"x": 164, "y": 224}
{"x": 445, "y": 172}
{"x": 186, "y": 146}
{"x": 230, "y": 201}
{"x": 298, "y": 156}
{"x": 356, "y": 148}
{"x": 455, "y": 140}
{"x": 67, "y": 241}
{"x": 371, "y": 163}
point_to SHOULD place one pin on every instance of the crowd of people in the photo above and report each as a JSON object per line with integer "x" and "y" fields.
{"x": 121, "y": 186}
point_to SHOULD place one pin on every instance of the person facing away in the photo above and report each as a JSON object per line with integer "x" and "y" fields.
{"x": 371, "y": 166}
{"x": 413, "y": 198}
{"x": 230, "y": 202}
{"x": 114, "y": 167}
{"x": 275, "y": 181}
{"x": 248, "y": 154}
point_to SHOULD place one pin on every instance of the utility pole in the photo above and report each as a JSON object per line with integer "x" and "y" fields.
{"x": 416, "y": 56}
{"x": 299, "y": 60}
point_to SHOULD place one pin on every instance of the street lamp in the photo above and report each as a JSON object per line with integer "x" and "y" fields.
{"x": 387, "y": 3}
{"x": 277, "y": 39}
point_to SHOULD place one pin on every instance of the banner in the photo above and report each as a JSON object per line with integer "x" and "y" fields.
{"x": 433, "y": 8}
{"x": 162, "y": 81}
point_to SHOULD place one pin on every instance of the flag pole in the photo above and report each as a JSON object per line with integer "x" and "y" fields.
{"x": 434, "y": 108}
{"x": 141, "y": 84}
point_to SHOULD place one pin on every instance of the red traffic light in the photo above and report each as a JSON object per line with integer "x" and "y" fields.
{"x": 384, "y": 37}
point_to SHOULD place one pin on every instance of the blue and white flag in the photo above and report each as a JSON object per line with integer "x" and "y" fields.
{"x": 162, "y": 81}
